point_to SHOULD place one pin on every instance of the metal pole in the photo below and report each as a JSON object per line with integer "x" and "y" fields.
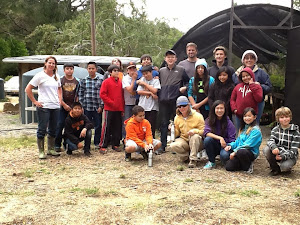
{"x": 93, "y": 28}
{"x": 292, "y": 12}
{"x": 231, "y": 33}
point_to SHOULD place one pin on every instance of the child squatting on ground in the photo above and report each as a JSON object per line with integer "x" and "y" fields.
{"x": 138, "y": 134}
{"x": 246, "y": 147}
{"x": 78, "y": 128}
{"x": 282, "y": 147}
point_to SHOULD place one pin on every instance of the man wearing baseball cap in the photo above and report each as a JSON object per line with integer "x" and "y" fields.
{"x": 173, "y": 80}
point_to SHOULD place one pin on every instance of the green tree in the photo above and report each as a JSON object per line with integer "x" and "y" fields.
{"x": 116, "y": 34}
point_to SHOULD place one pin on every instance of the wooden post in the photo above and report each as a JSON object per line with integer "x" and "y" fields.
{"x": 93, "y": 28}
{"x": 231, "y": 33}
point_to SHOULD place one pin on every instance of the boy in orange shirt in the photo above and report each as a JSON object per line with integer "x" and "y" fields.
{"x": 139, "y": 135}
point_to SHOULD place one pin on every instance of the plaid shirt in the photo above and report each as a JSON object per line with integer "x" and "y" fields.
{"x": 89, "y": 93}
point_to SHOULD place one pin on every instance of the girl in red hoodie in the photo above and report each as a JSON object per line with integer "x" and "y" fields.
{"x": 247, "y": 93}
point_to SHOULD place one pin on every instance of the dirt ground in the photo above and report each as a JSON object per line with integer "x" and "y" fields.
{"x": 104, "y": 189}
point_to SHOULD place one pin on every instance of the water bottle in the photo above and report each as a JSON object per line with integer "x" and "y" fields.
{"x": 150, "y": 157}
{"x": 172, "y": 131}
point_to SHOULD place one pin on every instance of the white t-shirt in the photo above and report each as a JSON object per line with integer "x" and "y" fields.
{"x": 47, "y": 89}
{"x": 148, "y": 103}
{"x": 129, "y": 99}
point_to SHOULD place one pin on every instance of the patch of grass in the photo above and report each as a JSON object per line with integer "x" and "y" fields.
{"x": 230, "y": 192}
{"x": 28, "y": 173}
{"x": 180, "y": 168}
{"x": 122, "y": 176}
{"x": 297, "y": 193}
{"x": 4, "y": 100}
{"x": 17, "y": 142}
{"x": 187, "y": 180}
{"x": 249, "y": 193}
{"x": 88, "y": 191}
{"x": 111, "y": 192}
{"x": 210, "y": 181}
{"x": 116, "y": 168}
{"x": 44, "y": 170}
{"x": 7, "y": 193}
{"x": 139, "y": 206}
{"x": 91, "y": 191}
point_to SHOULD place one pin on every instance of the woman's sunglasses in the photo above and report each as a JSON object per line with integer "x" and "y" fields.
{"x": 181, "y": 106}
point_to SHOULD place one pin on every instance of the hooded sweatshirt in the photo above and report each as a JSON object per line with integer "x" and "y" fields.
{"x": 286, "y": 140}
{"x": 138, "y": 131}
{"x": 246, "y": 95}
{"x": 213, "y": 70}
{"x": 74, "y": 126}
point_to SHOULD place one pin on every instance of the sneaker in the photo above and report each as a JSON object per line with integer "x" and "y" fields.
{"x": 144, "y": 154}
{"x": 117, "y": 148}
{"x": 103, "y": 150}
{"x": 69, "y": 152}
{"x": 250, "y": 170}
{"x": 87, "y": 153}
{"x": 58, "y": 149}
{"x": 127, "y": 157}
{"x": 97, "y": 147}
{"x": 209, "y": 165}
{"x": 274, "y": 173}
{"x": 160, "y": 151}
{"x": 192, "y": 164}
{"x": 204, "y": 155}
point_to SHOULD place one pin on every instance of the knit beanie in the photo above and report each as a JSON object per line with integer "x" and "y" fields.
{"x": 201, "y": 62}
{"x": 249, "y": 52}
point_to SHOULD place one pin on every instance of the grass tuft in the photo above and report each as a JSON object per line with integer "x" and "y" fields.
{"x": 180, "y": 168}
{"x": 297, "y": 193}
{"x": 187, "y": 180}
{"x": 10, "y": 143}
{"x": 250, "y": 193}
{"x": 122, "y": 176}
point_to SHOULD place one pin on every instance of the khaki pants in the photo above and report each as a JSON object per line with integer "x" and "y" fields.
{"x": 188, "y": 149}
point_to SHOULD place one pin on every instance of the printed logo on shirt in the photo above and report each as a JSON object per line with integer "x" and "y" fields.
{"x": 201, "y": 87}
{"x": 144, "y": 129}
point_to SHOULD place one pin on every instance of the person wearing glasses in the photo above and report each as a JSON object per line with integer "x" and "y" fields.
{"x": 189, "y": 128}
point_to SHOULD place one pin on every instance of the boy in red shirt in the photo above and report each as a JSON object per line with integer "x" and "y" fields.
{"x": 111, "y": 93}
{"x": 139, "y": 135}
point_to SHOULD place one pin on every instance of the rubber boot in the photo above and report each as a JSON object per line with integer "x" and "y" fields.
{"x": 51, "y": 150}
{"x": 40, "y": 143}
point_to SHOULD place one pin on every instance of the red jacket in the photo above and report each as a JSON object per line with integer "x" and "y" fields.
{"x": 111, "y": 93}
{"x": 246, "y": 95}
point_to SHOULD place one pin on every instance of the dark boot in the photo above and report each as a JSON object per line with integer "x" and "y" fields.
{"x": 40, "y": 143}
{"x": 51, "y": 150}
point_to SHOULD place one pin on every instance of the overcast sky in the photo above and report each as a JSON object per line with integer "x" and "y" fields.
{"x": 185, "y": 14}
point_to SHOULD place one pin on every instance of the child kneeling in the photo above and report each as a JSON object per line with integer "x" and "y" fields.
{"x": 282, "y": 146}
{"x": 78, "y": 128}
{"x": 246, "y": 147}
{"x": 139, "y": 135}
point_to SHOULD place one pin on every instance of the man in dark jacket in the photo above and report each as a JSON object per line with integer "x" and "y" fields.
{"x": 173, "y": 80}
{"x": 220, "y": 60}
{"x": 78, "y": 128}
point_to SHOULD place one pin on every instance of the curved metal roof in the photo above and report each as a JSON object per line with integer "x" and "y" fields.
{"x": 214, "y": 31}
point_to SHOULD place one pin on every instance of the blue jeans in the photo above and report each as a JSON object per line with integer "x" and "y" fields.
{"x": 260, "y": 110}
{"x": 47, "y": 118}
{"x": 127, "y": 114}
{"x": 213, "y": 148}
{"x": 237, "y": 122}
{"x": 60, "y": 126}
{"x": 87, "y": 142}
{"x": 96, "y": 119}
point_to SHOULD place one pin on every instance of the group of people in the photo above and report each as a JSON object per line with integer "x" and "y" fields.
{"x": 209, "y": 105}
